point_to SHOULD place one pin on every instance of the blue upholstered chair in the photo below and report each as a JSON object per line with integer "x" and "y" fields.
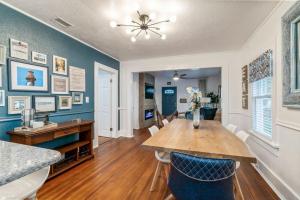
{"x": 196, "y": 178}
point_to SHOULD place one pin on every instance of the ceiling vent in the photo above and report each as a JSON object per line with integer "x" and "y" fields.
{"x": 62, "y": 22}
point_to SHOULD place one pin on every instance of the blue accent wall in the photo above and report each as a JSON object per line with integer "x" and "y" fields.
{"x": 44, "y": 39}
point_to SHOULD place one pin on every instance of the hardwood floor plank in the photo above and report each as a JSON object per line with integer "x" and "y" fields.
{"x": 123, "y": 170}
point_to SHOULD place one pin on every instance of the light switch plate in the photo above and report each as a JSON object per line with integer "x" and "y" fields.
{"x": 87, "y": 99}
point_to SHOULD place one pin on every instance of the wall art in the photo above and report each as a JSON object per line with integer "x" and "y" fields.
{"x": 60, "y": 65}
{"x": 77, "y": 79}
{"x": 39, "y": 58}
{"x": 59, "y": 84}
{"x": 18, "y": 49}
{"x": 17, "y": 103}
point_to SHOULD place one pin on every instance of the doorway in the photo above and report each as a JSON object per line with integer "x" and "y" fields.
{"x": 106, "y": 102}
{"x": 169, "y": 100}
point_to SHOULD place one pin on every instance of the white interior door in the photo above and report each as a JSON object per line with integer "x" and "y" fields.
{"x": 105, "y": 106}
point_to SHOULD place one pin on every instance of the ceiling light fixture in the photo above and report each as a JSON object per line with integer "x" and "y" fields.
{"x": 145, "y": 25}
{"x": 175, "y": 76}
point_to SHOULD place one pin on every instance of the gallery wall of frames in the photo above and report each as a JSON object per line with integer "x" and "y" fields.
{"x": 44, "y": 69}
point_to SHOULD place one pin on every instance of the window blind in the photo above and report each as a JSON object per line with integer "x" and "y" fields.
{"x": 262, "y": 106}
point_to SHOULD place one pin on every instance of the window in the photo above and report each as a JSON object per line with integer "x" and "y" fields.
{"x": 262, "y": 106}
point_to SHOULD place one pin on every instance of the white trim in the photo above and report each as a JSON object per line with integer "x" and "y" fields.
{"x": 289, "y": 125}
{"x": 281, "y": 188}
{"x": 115, "y": 97}
{"x": 265, "y": 140}
{"x": 55, "y": 28}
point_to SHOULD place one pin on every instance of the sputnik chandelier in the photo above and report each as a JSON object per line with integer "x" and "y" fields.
{"x": 144, "y": 26}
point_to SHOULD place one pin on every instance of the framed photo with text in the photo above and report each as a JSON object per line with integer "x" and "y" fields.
{"x": 27, "y": 77}
{"x": 77, "y": 79}
{"x": 17, "y": 103}
{"x": 2, "y": 98}
{"x": 43, "y": 104}
{"x": 39, "y": 58}
{"x": 18, "y": 49}
{"x": 59, "y": 84}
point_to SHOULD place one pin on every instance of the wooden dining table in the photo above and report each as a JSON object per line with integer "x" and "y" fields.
{"x": 211, "y": 139}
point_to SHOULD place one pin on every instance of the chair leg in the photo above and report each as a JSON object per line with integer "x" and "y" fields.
{"x": 169, "y": 197}
{"x": 238, "y": 191}
{"x": 166, "y": 170}
{"x": 157, "y": 172}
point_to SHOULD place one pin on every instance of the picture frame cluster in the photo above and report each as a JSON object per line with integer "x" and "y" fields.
{"x": 66, "y": 84}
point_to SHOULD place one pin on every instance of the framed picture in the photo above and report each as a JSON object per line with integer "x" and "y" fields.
{"x": 39, "y": 58}
{"x": 77, "y": 97}
{"x": 1, "y": 76}
{"x": 43, "y": 104}
{"x": 65, "y": 102}
{"x": 17, "y": 103}
{"x": 77, "y": 79}
{"x": 60, "y": 65}
{"x": 2, "y": 98}
{"x": 18, "y": 49}
{"x": 59, "y": 85}
{"x": 2, "y": 55}
{"x": 245, "y": 80}
{"x": 245, "y": 101}
{"x": 28, "y": 77}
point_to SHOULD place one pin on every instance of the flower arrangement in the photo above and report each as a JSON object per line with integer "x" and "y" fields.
{"x": 195, "y": 96}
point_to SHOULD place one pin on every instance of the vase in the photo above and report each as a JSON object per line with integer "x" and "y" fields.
{"x": 196, "y": 118}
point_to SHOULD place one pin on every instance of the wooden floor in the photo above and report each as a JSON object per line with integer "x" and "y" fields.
{"x": 103, "y": 140}
{"x": 122, "y": 169}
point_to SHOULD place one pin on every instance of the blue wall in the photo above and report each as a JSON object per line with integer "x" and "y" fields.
{"x": 44, "y": 39}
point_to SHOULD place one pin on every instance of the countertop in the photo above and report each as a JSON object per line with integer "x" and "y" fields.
{"x": 17, "y": 160}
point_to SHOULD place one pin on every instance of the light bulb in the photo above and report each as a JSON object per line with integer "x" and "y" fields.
{"x": 113, "y": 24}
{"x": 133, "y": 39}
{"x": 175, "y": 78}
{"x": 147, "y": 36}
{"x": 163, "y": 36}
{"x": 173, "y": 19}
{"x": 152, "y": 16}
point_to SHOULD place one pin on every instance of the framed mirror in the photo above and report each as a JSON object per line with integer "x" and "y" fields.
{"x": 291, "y": 57}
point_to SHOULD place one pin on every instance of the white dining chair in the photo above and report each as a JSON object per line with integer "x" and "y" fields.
{"x": 243, "y": 136}
{"x": 231, "y": 127}
{"x": 165, "y": 122}
{"x": 163, "y": 160}
{"x": 25, "y": 187}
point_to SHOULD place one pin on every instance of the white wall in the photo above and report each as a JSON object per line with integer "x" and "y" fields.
{"x": 212, "y": 83}
{"x": 279, "y": 159}
{"x": 161, "y": 81}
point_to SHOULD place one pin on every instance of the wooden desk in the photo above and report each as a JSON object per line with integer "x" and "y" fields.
{"x": 85, "y": 142}
{"x": 210, "y": 140}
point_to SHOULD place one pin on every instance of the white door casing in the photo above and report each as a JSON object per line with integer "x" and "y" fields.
{"x": 113, "y": 102}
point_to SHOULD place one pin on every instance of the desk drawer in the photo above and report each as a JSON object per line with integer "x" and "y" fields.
{"x": 65, "y": 132}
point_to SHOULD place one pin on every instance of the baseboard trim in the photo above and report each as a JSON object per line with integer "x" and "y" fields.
{"x": 281, "y": 189}
{"x": 124, "y": 133}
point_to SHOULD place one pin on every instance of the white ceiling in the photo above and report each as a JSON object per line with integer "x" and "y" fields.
{"x": 190, "y": 73}
{"x": 202, "y": 25}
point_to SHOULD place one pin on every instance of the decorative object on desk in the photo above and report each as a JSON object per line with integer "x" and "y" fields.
{"x": 77, "y": 97}
{"x": 44, "y": 104}
{"x": 2, "y": 98}
{"x": 290, "y": 24}
{"x": 65, "y": 102}
{"x": 195, "y": 96}
{"x": 59, "y": 84}
{"x": 245, "y": 87}
{"x": 28, "y": 77}
{"x": 17, "y": 103}
{"x": 27, "y": 117}
{"x": 18, "y": 49}
{"x": 2, "y": 55}
{"x": 39, "y": 58}
{"x": 60, "y": 65}
{"x": 77, "y": 79}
